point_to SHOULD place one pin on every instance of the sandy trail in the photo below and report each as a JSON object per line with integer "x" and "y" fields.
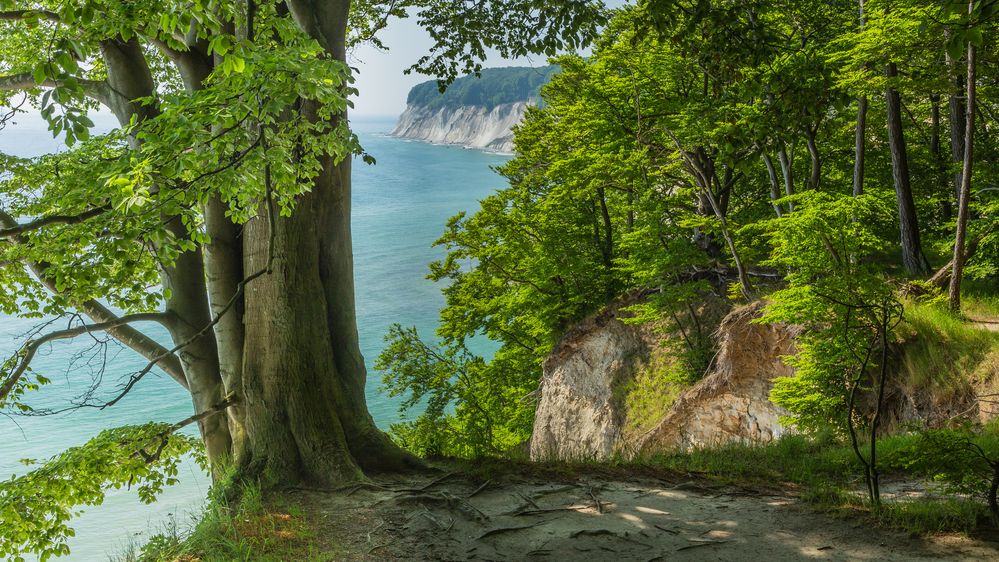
{"x": 454, "y": 518}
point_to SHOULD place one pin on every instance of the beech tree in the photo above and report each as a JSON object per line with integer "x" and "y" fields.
{"x": 219, "y": 210}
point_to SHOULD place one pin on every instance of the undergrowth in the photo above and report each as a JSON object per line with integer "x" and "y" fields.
{"x": 824, "y": 472}
{"x": 252, "y": 528}
{"x": 942, "y": 350}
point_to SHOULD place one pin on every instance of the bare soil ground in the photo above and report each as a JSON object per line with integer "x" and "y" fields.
{"x": 455, "y": 517}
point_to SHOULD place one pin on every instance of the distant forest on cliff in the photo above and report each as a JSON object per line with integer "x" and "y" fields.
{"x": 492, "y": 87}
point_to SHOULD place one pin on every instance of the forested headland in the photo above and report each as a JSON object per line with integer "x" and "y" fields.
{"x": 489, "y": 88}
{"x": 831, "y": 164}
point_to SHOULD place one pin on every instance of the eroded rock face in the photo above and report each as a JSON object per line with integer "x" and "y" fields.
{"x": 733, "y": 402}
{"x": 578, "y": 415}
{"x": 471, "y": 126}
{"x": 581, "y": 415}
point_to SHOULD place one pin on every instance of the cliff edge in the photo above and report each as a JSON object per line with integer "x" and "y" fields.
{"x": 475, "y": 111}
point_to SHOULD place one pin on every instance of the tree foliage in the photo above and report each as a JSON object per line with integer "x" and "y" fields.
{"x": 489, "y": 88}
{"x": 713, "y": 146}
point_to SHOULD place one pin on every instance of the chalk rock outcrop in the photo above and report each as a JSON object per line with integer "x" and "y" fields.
{"x": 466, "y": 125}
{"x": 581, "y": 413}
{"x": 579, "y": 416}
{"x": 732, "y": 403}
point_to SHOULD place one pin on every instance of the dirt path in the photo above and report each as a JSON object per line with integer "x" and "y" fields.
{"x": 990, "y": 324}
{"x": 454, "y": 518}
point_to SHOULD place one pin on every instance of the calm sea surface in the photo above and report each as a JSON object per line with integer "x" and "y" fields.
{"x": 400, "y": 206}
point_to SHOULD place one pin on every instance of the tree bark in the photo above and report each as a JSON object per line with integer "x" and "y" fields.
{"x": 860, "y": 138}
{"x": 938, "y": 163}
{"x": 964, "y": 195}
{"x": 815, "y": 178}
{"x": 787, "y": 169}
{"x": 912, "y": 252}
{"x": 129, "y": 78}
{"x": 303, "y": 373}
{"x": 860, "y": 146}
{"x": 774, "y": 190}
{"x": 957, "y": 116}
{"x": 224, "y": 272}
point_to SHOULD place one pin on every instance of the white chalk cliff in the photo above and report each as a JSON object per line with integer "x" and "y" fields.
{"x": 464, "y": 125}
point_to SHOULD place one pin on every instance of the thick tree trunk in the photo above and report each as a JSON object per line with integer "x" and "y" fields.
{"x": 303, "y": 373}
{"x": 964, "y": 195}
{"x": 290, "y": 375}
{"x": 912, "y": 252}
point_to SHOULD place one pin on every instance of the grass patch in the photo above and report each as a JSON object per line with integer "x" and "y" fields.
{"x": 253, "y": 528}
{"x": 825, "y": 473}
{"x": 942, "y": 350}
{"x": 932, "y": 516}
{"x": 979, "y": 298}
{"x": 648, "y": 396}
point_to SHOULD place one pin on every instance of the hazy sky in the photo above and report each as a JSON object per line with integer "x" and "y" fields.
{"x": 382, "y": 84}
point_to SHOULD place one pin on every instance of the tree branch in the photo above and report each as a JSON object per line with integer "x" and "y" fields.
{"x": 129, "y": 336}
{"x": 135, "y": 378}
{"x": 20, "y": 229}
{"x": 162, "y": 436}
{"x": 16, "y": 15}
{"x": 29, "y": 349}
{"x": 98, "y": 90}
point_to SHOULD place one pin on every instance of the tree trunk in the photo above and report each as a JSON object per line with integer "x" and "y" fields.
{"x": 303, "y": 373}
{"x": 964, "y": 195}
{"x": 860, "y": 147}
{"x": 815, "y": 178}
{"x": 224, "y": 272}
{"x": 957, "y": 116}
{"x": 938, "y": 163}
{"x": 787, "y": 169}
{"x": 860, "y": 138}
{"x": 774, "y": 190}
{"x": 912, "y": 252}
{"x": 129, "y": 78}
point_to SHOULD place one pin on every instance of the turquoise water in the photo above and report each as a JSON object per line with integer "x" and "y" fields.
{"x": 400, "y": 206}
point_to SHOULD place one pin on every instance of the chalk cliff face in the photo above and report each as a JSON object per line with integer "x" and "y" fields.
{"x": 583, "y": 411}
{"x": 732, "y": 403}
{"x": 578, "y": 416}
{"x": 465, "y": 125}
{"x": 581, "y": 416}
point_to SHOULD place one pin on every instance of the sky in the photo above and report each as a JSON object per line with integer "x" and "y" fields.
{"x": 382, "y": 83}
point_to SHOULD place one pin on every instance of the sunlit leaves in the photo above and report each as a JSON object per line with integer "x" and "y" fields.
{"x": 36, "y": 507}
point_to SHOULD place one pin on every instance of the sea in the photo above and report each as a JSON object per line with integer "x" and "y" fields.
{"x": 400, "y": 206}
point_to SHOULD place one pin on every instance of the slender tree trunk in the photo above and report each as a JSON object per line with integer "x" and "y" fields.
{"x": 957, "y": 117}
{"x": 224, "y": 272}
{"x": 912, "y": 252}
{"x": 129, "y": 78}
{"x": 938, "y": 162}
{"x": 787, "y": 169}
{"x": 815, "y": 178}
{"x": 860, "y": 138}
{"x": 860, "y": 146}
{"x": 774, "y": 189}
{"x": 964, "y": 196}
